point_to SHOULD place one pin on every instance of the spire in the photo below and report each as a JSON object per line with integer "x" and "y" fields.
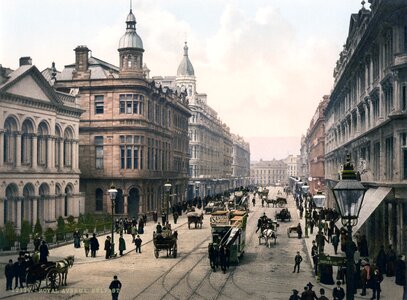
{"x": 185, "y": 68}
{"x": 186, "y": 49}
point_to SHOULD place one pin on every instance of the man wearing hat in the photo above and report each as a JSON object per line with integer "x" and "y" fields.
{"x": 308, "y": 293}
{"x": 108, "y": 246}
{"x": 338, "y": 293}
{"x": 294, "y": 296}
{"x": 365, "y": 275}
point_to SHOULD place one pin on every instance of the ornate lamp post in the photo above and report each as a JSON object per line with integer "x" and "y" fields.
{"x": 167, "y": 190}
{"x": 349, "y": 194}
{"x": 112, "y": 193}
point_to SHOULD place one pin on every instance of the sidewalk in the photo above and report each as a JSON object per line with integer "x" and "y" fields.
{"x": 389, "y": 288}
{"x": 64, "y": 250}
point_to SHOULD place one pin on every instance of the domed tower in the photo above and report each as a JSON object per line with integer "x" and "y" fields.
{"x": 131, "y": 50}
{"x": 186, "y": 75}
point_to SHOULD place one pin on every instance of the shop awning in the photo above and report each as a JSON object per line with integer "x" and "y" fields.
{"x": 371, "y": 201}
{"x": 373, "y": 198}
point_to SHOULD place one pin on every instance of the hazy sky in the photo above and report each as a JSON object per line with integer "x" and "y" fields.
{"x": 265, "y": 64}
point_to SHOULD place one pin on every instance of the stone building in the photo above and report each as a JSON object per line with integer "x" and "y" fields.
{"x": 134, "y": 132}
{"x": 314, "y": 143}
{"x": 39, "y": 134}
{"x": 269, "y": 172}
{"x": 367, "y": 117}
{"x": 211, "y": 143}
{"x": 292, "y": 165}
{"x": 240, "y": 161}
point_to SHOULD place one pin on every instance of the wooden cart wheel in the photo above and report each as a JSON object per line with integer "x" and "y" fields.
{"x": 156, "y": 254}
{"x": 32, "y": 285}
{"x": 53, "y": 279}
{"x": 280, "y": 203}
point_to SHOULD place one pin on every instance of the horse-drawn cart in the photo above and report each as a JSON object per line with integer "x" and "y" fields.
{"x": 165, "y": 241}
{"x": 195, "y": 218}
{"x": 283, "y": 215}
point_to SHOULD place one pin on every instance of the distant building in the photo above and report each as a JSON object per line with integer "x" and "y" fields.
{"x": 39, "y": 134}
{"x": 292, "y": 165}
{"x": 313, "y": 149}
{"x": 219, "y": 159}
{"x": 271, "y": 172}
{"x": 134, "y": 132}
{"x": 367, "y": 117}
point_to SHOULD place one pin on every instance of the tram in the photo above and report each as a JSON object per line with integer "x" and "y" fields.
{"x": 229, "y": 229}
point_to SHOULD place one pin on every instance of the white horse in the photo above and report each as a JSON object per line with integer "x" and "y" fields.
{"x": 268, "y": 234}
{"x": 63, "y": 265}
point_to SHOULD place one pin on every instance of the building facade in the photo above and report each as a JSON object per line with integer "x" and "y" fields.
{"x": 367, "y": 117}
{"x": 133, "y": 133}
{"x": 292, "y": 162}
{"x": 39, "y": 134}
{"x": 211, "y": 144}
{"x": 314, "y": 146}
{"x": 266, "y": 173}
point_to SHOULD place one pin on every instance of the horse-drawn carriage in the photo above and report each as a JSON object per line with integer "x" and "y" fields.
{"x": 53, "y": 273}
{"x": 283, "y": 215}
{"x": 195, "y": 218}
{"x": 279, "y": 201}
{"x": 165, "y": 240}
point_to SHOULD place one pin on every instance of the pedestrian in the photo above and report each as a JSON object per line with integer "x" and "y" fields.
{"x": 335, "y": 243}
{"x": 19, "y": 272}
{"x": 362, "y": 246}
{"x": 163, "y": 217}
{"x": 308, "y": 293}
{"x": 381, "y": 260}
{"x": 311, "y": 225}
{"x": 133, "y": 231}
{"x": 338, "y": 292}
{"x": 401, "y": 271}
{"x": 299, "y": 230}
{"x": 365, "y": 276}
{"x": 141, "y": 226}
{"x": 262, "y": 202}
{"x": 122, "y": 244}
{"x": 115, "y": 287}
{"x": 43, "y": 253}
{"x": 322, "y": 292}
{"x": 175, "y": 216}
{"x": 9, "y": 273}
{"x": 155, "y": 216}
{"x": 76, "y": 239}
{"x": 108, "y": 246}
{"x": 137, "y": 242}
{"x": 297, "y": 262}
{"x": 86, "y": 244}
{"x": 320, "y": 239}
{"x": 301, "y": 209}
{"x": 158, "y": 228}
{"x": 294, "y": 296}
{"x": 391, "y": 258}
{"x": 94, "y": 245}
{"x": 314, "y": 255}
{"x": 37, "y": 242}
{"x": 375, "y": 281}
{"x": 254, "y": 201}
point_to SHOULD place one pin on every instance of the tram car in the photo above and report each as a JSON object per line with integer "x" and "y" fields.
{"x": 228, "y": 228}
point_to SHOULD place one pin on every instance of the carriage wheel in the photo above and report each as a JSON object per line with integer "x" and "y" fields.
{"x": 156, "y": 253}
{"x": 280, "y": 203}
{"x": 32, "y": 286}
{"x": 53, "y": 279}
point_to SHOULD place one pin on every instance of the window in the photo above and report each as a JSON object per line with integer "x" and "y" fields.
{"x": 131, "y": 153}
{"x": 99, "y": 151}
{"x": 403, "y": 97}
{"x": 99, "y": 104}
{"x": 389, "y": 158}
{"x": 131, "y": 104}
{"x": 376, "y": 162}
{"x": 99, "y": 200}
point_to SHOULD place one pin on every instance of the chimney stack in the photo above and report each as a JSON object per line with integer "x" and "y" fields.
{"x": 25, "y": 61}
{"x": 81, "y": 63}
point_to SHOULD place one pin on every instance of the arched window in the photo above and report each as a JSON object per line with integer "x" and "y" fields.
{"x": 68, "y": 136}
{"x": 99, "y": 200}
{"x": 68, "y": 192}
{"x": 42, "y": 144}
{"x": 11, "y": 194}
{"x": 10, "y": 127}
{"x": 26, "y": 142}
{"x": 57, "y": 146}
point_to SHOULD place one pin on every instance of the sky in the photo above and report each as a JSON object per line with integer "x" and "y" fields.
{"x": 264, "y": 64}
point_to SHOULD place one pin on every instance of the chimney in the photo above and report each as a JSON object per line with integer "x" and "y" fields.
{"x": 81, "y": 63}
{"x": 25, "y": 61}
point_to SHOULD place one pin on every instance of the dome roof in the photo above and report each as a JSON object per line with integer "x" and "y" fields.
{"x": 130, "y": 39}
{"x": 185, "y": 68}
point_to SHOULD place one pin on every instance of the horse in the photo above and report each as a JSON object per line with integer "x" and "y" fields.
{"x": 268, "y": 234}
{"x": 63, "y": 266}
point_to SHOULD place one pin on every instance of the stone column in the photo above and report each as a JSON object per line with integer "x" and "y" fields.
{"x": 18, "y": 212}
{"x": 61, "y": 153}
{"x": 34, "y": 157}
{"x": 1, "y": 212}
{"x": 75, "y": 155}
{"x": 17, "y": 136}
{"x": 372, "y": 122}
{"x": 1, "y": 153}
{"x": 358, "y": 125}
{"x": 49, "y": 152}
{"x": 125, "y": 204}
{"x": 396, "y": 92}
{"x": 35, "y": 209}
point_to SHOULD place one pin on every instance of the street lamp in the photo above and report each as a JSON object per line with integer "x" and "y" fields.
{"x": 197, "y": 183}
{"x": 349, "y": 194}
{"x": 112, "y": 193}
{"x": 167, "y": 190}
